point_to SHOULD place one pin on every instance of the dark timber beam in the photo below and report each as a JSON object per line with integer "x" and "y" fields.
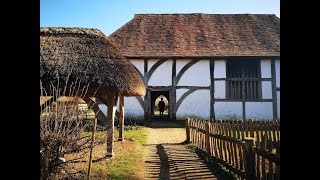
{"x": 240, "y": 100}
{"x": 154, "y": 67}
{"x": 173, "y": 92}
{"x": 145, "y": 80}
{"x": 274, "y": 89}
{"x": 93, "y": 105}
{"x": 243, "y": 94}
{"x": 212, "y": 114}
{"x": 183, "y": 97}
{"x": 240, "y": 79}
{"x": 185, "y": 68}
{"x": 139, "y": 98}
{"x": 48, "y": 103}
{"x": 141, "y": 76}
{"x": 193, "y": 87}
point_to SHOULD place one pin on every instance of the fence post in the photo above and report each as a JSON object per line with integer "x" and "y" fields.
{"x": 207, "y": 139}
{"x": 250, "y": 158}
{"x": 188, "y": 130}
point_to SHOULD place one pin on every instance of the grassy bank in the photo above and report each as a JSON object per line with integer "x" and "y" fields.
{"x": 126, "y": 164}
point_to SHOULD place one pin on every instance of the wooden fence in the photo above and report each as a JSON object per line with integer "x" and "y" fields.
{"x": 249, "y": 149}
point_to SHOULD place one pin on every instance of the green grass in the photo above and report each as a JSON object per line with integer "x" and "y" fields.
{"x": 126, "y": 162}
{"x": 128, "y": 156}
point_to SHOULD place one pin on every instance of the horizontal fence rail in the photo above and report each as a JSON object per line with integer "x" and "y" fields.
{"x": 250, "y": 149}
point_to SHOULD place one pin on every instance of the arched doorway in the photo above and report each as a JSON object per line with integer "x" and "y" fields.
{"x": 155, "y": 98}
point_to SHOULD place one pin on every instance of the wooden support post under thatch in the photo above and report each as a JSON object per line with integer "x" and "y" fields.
{"x": 111, "y": 102}
{"x": 121, "y": 117}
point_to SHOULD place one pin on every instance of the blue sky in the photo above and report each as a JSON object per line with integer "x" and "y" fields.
{"x": 110, "y": 15}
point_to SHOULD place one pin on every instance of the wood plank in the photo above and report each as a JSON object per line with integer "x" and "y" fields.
{"x": 219, "y": 140}
{"x": 234, "y": 131}
{"x": 121, "y": 118}
{"x": 269, "y": 127}
{"x": 239, "y": 100}
{"x": 145, "y": 80}
{"x": 141, "y": 102}
{"x": 250, "y": 127}
{"x": 274, "y": 139}
{"x": 231, "y": 144}
{"x": 246, "y": 79}
{"x": 266, "y": 153}
{"x": 111, "y": 101}
{"x": 212, "y": 113}
{"x": 241, "y": 155}
{"x": 185, "y": 87}
{"x": 173, "y": 91}
{"x": 274, "y": 90}
{"x": 277, "y": 177}
{"x": 270, "y": 147}
{"x": 263, "y": 146}
{"x": 227, "y": 142}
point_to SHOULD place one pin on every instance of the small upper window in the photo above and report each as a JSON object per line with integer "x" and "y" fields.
{"x": 243, "y": 79}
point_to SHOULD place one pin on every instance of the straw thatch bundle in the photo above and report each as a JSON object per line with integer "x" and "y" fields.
{"x": 85, "y": 56}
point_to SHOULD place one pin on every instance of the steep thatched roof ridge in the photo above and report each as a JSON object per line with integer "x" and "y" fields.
{"x": 60, "y": 31}
{"x": 198, "y": 34}
{"x": 86, "y": 55}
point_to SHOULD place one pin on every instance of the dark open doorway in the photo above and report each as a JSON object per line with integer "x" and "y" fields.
{"x": 155, "y": 98}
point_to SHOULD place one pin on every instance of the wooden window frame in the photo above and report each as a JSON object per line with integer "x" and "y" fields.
{"x": 245, "y": 83}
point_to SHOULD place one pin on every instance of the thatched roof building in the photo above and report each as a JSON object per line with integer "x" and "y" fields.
{"x": 86, "y": 55}
{"x": 199, "y": 35}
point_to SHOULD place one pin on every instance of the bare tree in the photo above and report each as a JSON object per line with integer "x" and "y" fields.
{"x": 61, "y": 127}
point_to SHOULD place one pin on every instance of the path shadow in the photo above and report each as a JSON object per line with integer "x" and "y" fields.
{"x": 175, "y": 161}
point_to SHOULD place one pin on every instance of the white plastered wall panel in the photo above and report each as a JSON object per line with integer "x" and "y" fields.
{"x": 265, "y": 68}
{"x": 180, "y": 63}
{"x": 196, "y": 104}
{"x": 162, "y": 76}
{"x": 179, "y": 93}
{"x": 259, "y": 110}
{"x": 132, "y": 107}
{"x": 278, "y": 104}
{"x": 228, "y": 110}
{"x": 197, "y": 75}
{"x": 266, "y": 89}
{"x": 219, "y": 89}
{"x": 219, "y": 69}
{"x": 139, "y": 64}
{"x": 277, "y": 62}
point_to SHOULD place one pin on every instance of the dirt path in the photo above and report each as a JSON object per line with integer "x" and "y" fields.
{"x": 167, "y": 158}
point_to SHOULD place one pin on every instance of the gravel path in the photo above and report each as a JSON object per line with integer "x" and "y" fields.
{"x": 167, "y": 158}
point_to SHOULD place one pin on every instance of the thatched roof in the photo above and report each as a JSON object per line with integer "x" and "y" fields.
{"x": 155, "y": 35}
{"x": 86, "y": 54}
